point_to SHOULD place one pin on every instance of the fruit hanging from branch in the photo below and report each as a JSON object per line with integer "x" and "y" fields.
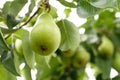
{"x": 45, "y": 37}
{"x": 106, "y": 47}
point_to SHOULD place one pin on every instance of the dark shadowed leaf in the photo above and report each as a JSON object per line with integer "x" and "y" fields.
{"x": 6, "y": 75}
{"x": 3, "y": 44}
{"x": 116, "y": 77}
{"x": 7, "y": 59}
{"x": 11, "y": 21}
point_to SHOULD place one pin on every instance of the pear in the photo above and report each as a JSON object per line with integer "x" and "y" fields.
{"x": 81, "y": 57}
{"x": 18, "y": 46}
{"x": 45, "y": 37}
{"x": 106, "y": 47}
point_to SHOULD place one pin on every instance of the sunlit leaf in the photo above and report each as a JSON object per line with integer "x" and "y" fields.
{"x": 70, "y": 35}
{"x": 13, "y": 7}
{"x": 26, "y": 72}
{"x": 68, "y": 4}
{"x": 103, "y": 3}
{"x": 85, "y": 9}
{"x": 27, "y": 51}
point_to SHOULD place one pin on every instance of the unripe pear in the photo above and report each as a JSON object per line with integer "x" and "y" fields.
{"x": 45, "y": 37}
{"x": 81, "y": 58}
{"x": 18, "y": 46}
{"x": 106, "y": 47}
{"x": 69, "y": 52}
{"x": 116, "y": 62}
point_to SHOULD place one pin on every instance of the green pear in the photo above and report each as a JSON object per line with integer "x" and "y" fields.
{"x": 69, "y": 52}
{"x": 81, "y": 57}
{"x": 18, "y": 46}
{"x": 116, "y": 62}
{"x": 106, "y": 47}
{"x": 45, "y": 37}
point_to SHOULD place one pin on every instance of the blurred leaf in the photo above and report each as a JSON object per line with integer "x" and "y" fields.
{"x": 6, "y": 8}
{"x": 27, "y": 51}
{"x": 116, "y": 77}
{"x": 26, "y": 72}
{"x": 18, "y": 59}
{"x": 31, "y": 6}
{"x": 70, "y": 35}
{"x": 67, "y": 4}
{"x": 85, "y": 9}
{"x": 3, "y": 44}
{"x": 13, "y": 7}
{"x": 19, "y": 33}
{"x": 83, "y": 76}
{"x": 11, "y": 21}
{"x": 106, "y": 20}
{"x": 105, "y": 67}
{"x": 7, "y": 31}
{"x": 67, "y": 12}
{"x": 118, "y": 3}
{"x": 103, "y": 3}
{"x": 6, "y": 75}
{"x": 8, "y": 62}
{"x": 43, "y": 70}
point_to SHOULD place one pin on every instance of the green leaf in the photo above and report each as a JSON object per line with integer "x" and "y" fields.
{"x": 18, "y": 59}
{"x": 26, "y": 72}
{"x": 67, "y": 4}
{"x": 3, "y": 44}
{"x": 6, "y": 8}
{"x": 118, "y": 3}
{"x": 31, "y": 6}
{"x": 43, "y": 70}
{"x": 8, "y": 62}
{"x": 116, "y": 77}
{"x": 6, "y": 75}
{"x": 19, "y": 33}
{"x": 67, "y": 12}
{"x": 13, "y": 7}
{"x": 106, "y": 20}
{"x": 85, "y": 9}
{"x": 70, "y": 35}
{"x": 11, "y": 21}
{"x": 103, "y": 3}
{"x": 27, "y": 51}
{"x": 7, "y": 31}
{"x": 105, "y": 67}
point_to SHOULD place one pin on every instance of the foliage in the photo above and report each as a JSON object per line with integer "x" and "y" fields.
{"x": 60, "y": 64}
